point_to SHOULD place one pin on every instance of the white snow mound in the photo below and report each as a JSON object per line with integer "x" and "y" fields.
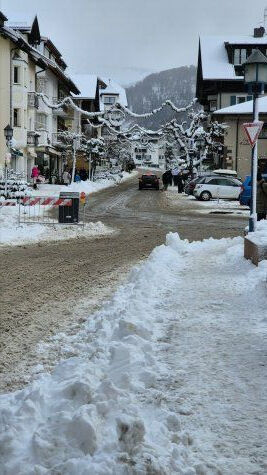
{"x": 103, "y": 411}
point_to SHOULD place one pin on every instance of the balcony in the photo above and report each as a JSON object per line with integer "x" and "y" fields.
{"x": 33, "y": 100}
{"x": 58, "y": 140}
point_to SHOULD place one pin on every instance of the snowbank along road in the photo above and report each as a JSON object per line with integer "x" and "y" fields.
{"x": 49, "y": 287}
{"x": 156, "y": 382}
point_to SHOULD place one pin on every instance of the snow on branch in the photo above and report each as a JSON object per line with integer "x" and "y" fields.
{"x": 68, "y": 101}
{"x": 167, "y": 103}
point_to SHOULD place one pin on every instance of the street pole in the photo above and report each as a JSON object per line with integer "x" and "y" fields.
{"x": 254, "y": 170}
{"x": 8, "y": 144}
{"x": 90, "y": 166}
{"x": 74, "y": 160}
{"x": 5, "y": 178}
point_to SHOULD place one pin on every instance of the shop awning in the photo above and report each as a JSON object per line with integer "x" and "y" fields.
{"x": 15, "y": 151}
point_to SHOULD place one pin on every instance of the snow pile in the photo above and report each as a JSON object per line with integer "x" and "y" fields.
{"x": 11, "y": 234}
{"x": 260, "y": 235}
{"x": 105, "y": 409}
{"x": 87, "y": 186}
{"x": 101, "y": 183}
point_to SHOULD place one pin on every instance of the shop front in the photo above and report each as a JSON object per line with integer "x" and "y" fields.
{"x": 50, "y": 164}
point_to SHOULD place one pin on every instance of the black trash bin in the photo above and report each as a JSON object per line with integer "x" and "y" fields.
{"x": 69, "y": 214}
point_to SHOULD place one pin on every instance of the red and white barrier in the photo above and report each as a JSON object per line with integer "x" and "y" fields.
{"x": 8, "y": 203}
{"x": 47, "y": 201}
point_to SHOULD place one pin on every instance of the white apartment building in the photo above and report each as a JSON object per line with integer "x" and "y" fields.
{"x": 29, "y": 64}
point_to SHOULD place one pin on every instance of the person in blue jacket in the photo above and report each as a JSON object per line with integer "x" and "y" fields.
{"x": 77, "y": 177}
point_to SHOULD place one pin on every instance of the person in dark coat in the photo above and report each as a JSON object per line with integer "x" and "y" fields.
{"x": 180, "y": 182}
{"x": 83, "y": 174}
{"x": 261, "y": 204}
{"x": 166, "y": 178}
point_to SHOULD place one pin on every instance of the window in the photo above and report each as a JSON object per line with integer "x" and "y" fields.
{"x": 213, "y": 181}
{"x": 240, "y": 56}
{"x": 16, "y": 118}
{"x": 41, "y": 122}
{"x": 239, "y": 99}
{"x": 213, "y": 105}
{"x": 109, "y": 100}
{"x": 16, "y": 75}
{"x": 225, "y": 182}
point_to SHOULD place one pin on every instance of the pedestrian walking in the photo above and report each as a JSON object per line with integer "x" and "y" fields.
{"x": 166, "y": 178}
{"x": 66, "y": 177}
{"x": 34, "y": 175}
{"x": 83, "y": 174}
{"x": 77, "y": 177}
{"x": 175, "y": 173}
{"x": 180, "y": 182}
{"x": 261, "y": 204}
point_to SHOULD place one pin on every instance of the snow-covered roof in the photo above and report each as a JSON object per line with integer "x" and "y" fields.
{"x": 244, "y": 108}
{"x": 215, "y": 62}
{"x": 86, "y": 84}
{"x": 22, "y": 21}
{"x": 114, "y": 88}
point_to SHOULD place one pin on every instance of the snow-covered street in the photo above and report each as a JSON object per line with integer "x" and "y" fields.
{"x": 166, "y": 378}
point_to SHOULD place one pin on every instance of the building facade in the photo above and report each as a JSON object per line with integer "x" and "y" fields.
{"x": 31, "y": 64}
{"x": 220, "y": 75}
{"x": 239, "y": 149}
{"x": 222, "y": 92}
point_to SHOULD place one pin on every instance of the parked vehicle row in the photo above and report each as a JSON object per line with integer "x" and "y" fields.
{"x": 209, "y": 187}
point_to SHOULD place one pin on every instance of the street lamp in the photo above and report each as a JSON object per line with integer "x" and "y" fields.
{"x": 255, "y": 77}
{"x": 8, "y": 133}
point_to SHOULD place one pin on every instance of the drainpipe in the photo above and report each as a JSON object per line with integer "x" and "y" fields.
{"x": 236, "y": 143}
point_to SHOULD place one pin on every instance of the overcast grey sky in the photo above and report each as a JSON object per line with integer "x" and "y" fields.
{"x": 127, "y": 39}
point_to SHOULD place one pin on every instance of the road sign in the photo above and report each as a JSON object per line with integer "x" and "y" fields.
{"x": 253, "y": 130}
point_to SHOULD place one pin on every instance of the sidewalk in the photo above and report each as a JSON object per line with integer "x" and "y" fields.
{"x": 214, "y": 206}
{"x": 166, "y": 378}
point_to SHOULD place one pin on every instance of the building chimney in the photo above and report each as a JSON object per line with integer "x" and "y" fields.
{"x": 259, "y": 32}
{"x": 3, "y": 18}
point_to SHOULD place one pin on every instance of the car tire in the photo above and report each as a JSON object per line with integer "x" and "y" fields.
{"x": 205, "y": 196}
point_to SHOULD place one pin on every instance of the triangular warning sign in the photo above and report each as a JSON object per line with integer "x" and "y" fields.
{"x": 253, "y": 130}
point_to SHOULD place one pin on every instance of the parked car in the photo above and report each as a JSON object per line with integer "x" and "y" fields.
{"x": 218, "y": 187}
{"x": 245, "y": 195}
{"x": 190, "y": 185}
{"x": 149, "y": 181}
